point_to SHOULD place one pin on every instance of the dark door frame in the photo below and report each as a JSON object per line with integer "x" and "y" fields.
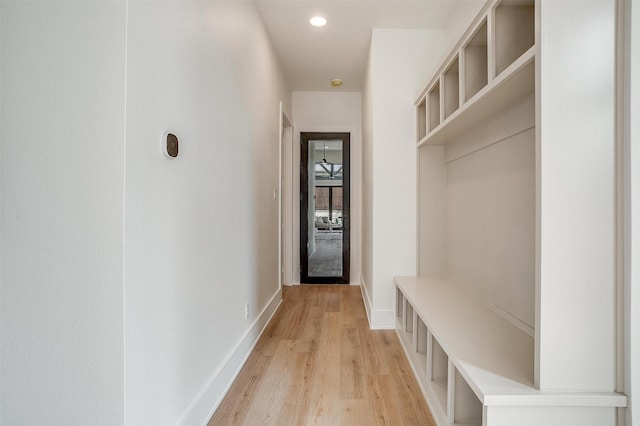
{"x": 305, "y": 138}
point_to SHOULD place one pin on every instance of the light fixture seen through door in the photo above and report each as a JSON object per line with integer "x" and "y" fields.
{"x": 333, "y": 170}
{"x": 318, "y": 21}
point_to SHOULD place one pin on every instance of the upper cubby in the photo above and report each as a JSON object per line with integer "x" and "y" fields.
{"x": 514, "y": 31}
{"x": 451, "y": 83}
{"x": 491, "y": 67}
{"x": 475, "y": 63}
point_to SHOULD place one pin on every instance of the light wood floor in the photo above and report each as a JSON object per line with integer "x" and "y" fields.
{"x": 318, "y": 363}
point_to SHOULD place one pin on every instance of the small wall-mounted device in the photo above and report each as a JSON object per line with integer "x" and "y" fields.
{"x": 170, "y": 145}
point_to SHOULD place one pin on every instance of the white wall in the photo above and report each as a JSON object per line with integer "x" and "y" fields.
{"x": 401, "y": 61}
{"x": 201, "y": 230}
{"x": 329, "y": 112}
{"x": 62, "y": 102}
{"x": 462, "y": 15}
{"x": 113, "y": 255}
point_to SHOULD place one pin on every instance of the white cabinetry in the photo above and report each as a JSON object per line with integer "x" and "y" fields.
{"x": 512, "y": 319}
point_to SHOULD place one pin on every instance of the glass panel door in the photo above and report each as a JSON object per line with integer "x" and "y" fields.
{"x": 324, "y": 202}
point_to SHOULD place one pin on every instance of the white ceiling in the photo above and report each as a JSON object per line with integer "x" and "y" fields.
{"x": 312, "y": 57}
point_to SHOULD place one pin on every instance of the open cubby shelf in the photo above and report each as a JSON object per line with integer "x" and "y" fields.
{"x": 514, "y": 84}
{"x": 491, "y": 359}
{"x": 491, "y": 68}
{"x": 476, "y": 73}
{"x": 514, "y": 32}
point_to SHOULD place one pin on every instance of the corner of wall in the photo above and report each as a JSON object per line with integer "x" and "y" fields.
{"x": 379, "y": 319}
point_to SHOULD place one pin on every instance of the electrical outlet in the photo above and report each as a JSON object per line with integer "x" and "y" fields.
{"x": 246, "y": 311}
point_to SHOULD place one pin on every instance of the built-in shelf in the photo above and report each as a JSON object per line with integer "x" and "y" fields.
{"x": 515, "y": 83}
{"x": 477, "y": 361}
{"x": 503, "y": 361}
{"x": 487, "y": 130}
{"x": 490, "y": 69}
{"x": 491, "y": 354}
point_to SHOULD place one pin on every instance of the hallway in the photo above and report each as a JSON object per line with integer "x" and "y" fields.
{"x": 319, "y": 363}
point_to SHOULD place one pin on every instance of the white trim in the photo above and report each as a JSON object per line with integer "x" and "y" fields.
{"x": 279, "y": 197}
{"x": 209, "y": 398}
{"x": 383, "y": 319}
{"x": 632, "y": 213}
{"x": 365, "y": 299}
{"x": 379, "y": 319}
{"x": 509, "y": 317}
{"x": 285, "y": 194}
{"x": 124, "y": 221}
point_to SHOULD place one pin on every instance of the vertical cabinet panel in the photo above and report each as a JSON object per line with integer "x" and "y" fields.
{"x": 434, "y": 106}
{"x": 421, "y": 119}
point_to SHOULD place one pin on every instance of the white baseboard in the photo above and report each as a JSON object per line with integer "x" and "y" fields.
{"x": 379, "y": 319}
{"x": 210, "y": 397}
{"x": 383, "y": 320}
{"x": 365, "y": 298}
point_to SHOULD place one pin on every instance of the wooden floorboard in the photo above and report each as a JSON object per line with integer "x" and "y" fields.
{"x": 318, "y": 363}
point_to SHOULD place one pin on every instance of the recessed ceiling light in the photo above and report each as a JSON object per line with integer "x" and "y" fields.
{"x": 336, "y": 82}
{"x": 318, "y": 21}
